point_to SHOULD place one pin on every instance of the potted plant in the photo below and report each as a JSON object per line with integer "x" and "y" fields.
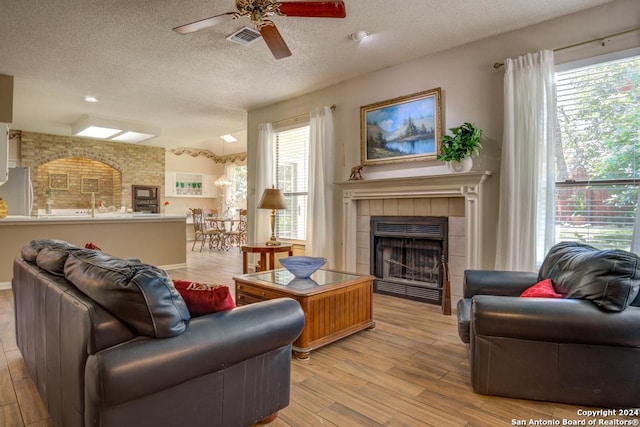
{"x": 458, "y": 148}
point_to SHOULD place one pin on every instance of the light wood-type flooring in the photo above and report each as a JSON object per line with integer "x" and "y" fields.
{"x": 411, "y": 370}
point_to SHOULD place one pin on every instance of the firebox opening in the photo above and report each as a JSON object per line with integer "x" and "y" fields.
{"x": 407, "y": 256}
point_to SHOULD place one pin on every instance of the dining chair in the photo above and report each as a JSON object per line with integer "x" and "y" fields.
{"x": 218, "y": 238}
{"x": 238, "y": 236}
{"x": 202, "y": 231}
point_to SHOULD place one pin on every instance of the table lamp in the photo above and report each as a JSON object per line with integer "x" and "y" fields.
{"x": 273, "y": 199}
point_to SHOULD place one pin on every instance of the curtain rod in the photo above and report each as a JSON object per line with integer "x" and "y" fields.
{"x": 298, "y": 117}
{"x": 602, "y": 40}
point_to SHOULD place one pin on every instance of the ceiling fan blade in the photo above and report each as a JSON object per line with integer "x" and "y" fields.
{"x": 274, "y": 40}
{"x": 205, "y": 23}
{"x": 313, "y": 9}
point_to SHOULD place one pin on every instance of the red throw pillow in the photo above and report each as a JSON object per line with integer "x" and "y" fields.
{"x": 542, "y": 289}
{"x": 203, "y": 299}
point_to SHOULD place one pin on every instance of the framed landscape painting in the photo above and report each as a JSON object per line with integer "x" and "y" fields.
{"x": 402, "y": 129}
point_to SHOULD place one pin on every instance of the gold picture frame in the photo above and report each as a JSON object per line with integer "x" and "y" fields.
{"x": 403, "y": 129}
{"x": 90, "y": 185}
{"x": 59, "y": 181}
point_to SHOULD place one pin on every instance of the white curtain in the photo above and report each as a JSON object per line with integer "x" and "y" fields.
{"x": 635, "y": 237}
{"x": 229, "y": 191}
{"x": 526, "y": 211}
{"x": 265, "y": 178}
{"x": 319, "y": 240}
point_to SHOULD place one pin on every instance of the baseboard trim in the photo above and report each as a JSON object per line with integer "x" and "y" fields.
{"x": 173, "y": 266}
{"x": 5, "y": 286}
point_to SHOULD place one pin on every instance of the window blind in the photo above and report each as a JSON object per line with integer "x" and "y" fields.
{"x": 292, "y": 160}
{"x": 598, "y": 153}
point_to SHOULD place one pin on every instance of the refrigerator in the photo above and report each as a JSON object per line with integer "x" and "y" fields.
{"x": 17, "y": 192}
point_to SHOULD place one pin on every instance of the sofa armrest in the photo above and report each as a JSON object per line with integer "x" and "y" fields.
{"x": 146, "y": 365}
{"x": 490, "y": 282}
{"x": 553, "y": 320}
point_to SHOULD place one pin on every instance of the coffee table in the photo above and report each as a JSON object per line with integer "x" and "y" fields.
{"x": 335, "y": 304}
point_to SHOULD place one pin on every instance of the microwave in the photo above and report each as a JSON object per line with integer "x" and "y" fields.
{"x": 144, "y": 192}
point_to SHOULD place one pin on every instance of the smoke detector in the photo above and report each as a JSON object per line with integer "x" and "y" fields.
{"x": 244, "y": 36}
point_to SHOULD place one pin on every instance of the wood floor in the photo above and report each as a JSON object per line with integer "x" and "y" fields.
{"x": 411, "y": 370}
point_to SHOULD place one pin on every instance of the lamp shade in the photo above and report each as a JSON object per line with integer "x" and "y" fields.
{"x": 272, "y": 198}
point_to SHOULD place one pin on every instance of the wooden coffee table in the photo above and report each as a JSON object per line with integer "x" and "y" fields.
{"x": 335, "y": 304}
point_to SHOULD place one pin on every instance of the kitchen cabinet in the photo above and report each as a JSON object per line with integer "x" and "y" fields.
{"x": 187, "y": 184}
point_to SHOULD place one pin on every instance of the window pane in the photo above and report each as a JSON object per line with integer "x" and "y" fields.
{"x": 600, "y": 215}
{"x": 292, "y": 159}
{"x": 598, "y": 153}
{"x": 598, "y": 116}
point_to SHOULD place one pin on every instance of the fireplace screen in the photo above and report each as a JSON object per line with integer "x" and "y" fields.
{"x": 407, "y": 255}
{"x": 410, "y": 260}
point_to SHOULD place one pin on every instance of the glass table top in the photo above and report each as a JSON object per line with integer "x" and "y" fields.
{"x": 282, "y": 277}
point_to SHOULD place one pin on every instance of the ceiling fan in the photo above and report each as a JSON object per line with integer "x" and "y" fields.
{"x": 260, "y": 10}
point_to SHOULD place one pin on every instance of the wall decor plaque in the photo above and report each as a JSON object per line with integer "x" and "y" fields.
{"x": 59, "y": 181}
{"x": 90, "y": 185}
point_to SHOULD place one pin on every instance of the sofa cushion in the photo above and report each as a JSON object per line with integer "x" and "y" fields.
{"x": 608, "y": 278}
{"x": 203, "y": 298}
{"x": 31, "y": 250}
{"x": 140, "y": 295}
{"x": 542, "y": 289}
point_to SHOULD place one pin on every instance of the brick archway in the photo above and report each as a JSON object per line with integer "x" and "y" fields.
{"x": 87, "y": 153}
{"x": 72, "y": 198}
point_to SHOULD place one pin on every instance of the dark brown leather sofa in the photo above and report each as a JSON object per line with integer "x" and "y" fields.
{"x": 583, "y": 348}
{"x": 109, "y": 342}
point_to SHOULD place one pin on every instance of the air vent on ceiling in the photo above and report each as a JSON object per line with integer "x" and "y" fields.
{"x": 244, "y": 36}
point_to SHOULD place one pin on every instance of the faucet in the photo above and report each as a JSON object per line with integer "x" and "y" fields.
{"x": 93, "y": 205}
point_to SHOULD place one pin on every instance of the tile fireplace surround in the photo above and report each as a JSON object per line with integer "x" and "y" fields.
{"x": 468, "y": 199}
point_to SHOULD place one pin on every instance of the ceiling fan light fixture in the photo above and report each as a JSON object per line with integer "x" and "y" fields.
{"x": 358, "y": 36}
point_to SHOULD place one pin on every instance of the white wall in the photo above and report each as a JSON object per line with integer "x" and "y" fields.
{"x": 187, "y": 163}
{"x": 471, "y": 88}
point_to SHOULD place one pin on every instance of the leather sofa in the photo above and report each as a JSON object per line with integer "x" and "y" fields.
{"x": 110, "y": 342}
{"x": 582, "y": 348}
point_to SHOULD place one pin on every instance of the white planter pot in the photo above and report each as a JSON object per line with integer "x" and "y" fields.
{"x": 464, "y": 165}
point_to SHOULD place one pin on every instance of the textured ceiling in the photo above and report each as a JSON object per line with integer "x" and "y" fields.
{"x": 200, "y": 86}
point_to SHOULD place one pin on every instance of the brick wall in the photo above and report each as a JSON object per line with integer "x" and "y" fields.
{"x": 82, "y": 176}
{"x": 133, "y": 164}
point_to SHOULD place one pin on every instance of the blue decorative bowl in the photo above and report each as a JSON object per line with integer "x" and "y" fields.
{"x": 301, "y": 284}
{"x": 302, "y": 267}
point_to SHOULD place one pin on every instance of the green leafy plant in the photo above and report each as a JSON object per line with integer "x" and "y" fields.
{"x": 464, "y": 142}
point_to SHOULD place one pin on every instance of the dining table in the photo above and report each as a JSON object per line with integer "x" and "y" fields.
{"x": 220, "y": 240}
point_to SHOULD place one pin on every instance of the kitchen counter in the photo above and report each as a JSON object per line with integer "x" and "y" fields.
{"x": 99, "y": 217}
{"x": 156, "y": 239}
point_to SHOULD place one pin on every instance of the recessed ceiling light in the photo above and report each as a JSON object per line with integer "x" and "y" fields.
{"x": 132, "y": 137}
{"x": 91, "y": 99}
{"x": 229, "y": 138}
{"x": 358, "y": 36}
{"x": 98, "y": 132}
{"x": 115, "y": 130}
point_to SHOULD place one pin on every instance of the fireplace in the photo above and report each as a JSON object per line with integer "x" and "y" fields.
{"x": 407, "y": 254}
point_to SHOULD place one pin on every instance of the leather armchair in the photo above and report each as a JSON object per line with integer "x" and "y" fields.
{"x": 567, "y": 350}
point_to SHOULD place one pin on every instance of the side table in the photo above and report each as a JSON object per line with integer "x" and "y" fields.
{"x": 263, "y": 250}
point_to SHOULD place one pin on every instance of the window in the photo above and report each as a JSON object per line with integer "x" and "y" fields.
{"x": 292, "y": 159}
{"x": 235, "y": 195}
{"x": 598, "y": 153}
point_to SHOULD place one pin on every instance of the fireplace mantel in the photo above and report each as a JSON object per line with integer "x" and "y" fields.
{"x": 479, "y": 219}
